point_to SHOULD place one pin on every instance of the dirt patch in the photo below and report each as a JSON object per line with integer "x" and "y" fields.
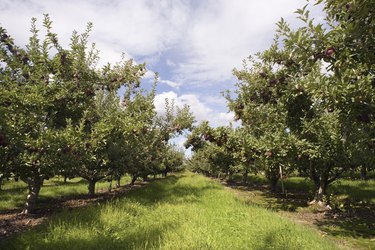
{"x": 14, "y": 222}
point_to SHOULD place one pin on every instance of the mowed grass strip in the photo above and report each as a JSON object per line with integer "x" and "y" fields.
{"x": 187, "y": 211}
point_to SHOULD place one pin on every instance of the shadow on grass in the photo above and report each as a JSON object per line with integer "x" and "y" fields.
{"x": 296, "y": 197}
{"x": 169, "y": 191}
{"x": 83, "y": 229}
{"x": 355, "y": 191}
{"x": 352, "y": 216}
{"x": 356, "y": 221}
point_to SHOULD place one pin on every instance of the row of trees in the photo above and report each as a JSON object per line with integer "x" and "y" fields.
{"x": 60, "y": 114}
{"x": 307, "y": 103}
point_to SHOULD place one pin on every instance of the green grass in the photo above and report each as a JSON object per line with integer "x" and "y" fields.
{"x": 14, "y": 193}
{"x": 180, "y": 212}
{"x": 353, "y": 203}
{"x": 353, "y": 190}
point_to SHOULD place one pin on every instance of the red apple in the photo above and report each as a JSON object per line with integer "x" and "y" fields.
{"x": 330, "y": 51}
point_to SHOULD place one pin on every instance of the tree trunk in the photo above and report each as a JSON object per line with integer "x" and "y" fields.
{"x": 1, "y": 181}
{"x": 244, "y": 176}
{"x": 65, "y": 179}
{"x": 273, "y": 176}
{"x": 363, "y": 172}
{"x": 118, "y": 182}
{"x": 144, "y": 177}
{"x": 110, "y": 186}
{"x": 320, "y": 193}
{"x": 91, "y": 187}
{"x": 165, "y": 173}
{"x": 34, "y": 185}
{"x": 230, "y": 176}
{"x": 134, "y": 178}
{"x": 273, "y": 183}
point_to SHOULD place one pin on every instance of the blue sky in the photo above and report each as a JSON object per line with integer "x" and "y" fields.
{"x": 194, "y": 45}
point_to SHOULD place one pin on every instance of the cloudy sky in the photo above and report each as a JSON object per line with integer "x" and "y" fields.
{"x": 194, "y": 45}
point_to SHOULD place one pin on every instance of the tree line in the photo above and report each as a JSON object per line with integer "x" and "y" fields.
{"x": 60, "y": 114}
{"x": 306, "y": 104}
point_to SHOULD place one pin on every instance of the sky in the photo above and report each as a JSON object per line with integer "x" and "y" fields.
{"x": 193, "y": 45}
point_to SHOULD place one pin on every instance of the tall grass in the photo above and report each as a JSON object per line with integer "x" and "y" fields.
{"x": 184, "y": 212}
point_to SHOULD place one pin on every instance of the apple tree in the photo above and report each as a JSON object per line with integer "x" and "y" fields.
{"x": 44, "y": 86}
{"x": 316, "y": 82}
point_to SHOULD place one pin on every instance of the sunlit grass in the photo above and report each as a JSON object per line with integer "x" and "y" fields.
{"x": 183, "y": 212}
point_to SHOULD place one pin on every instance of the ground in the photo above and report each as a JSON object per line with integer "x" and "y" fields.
{"x": 350, "y": 225}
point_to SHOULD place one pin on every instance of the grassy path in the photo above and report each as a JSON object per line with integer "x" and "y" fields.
{"x": 180, "y": 212}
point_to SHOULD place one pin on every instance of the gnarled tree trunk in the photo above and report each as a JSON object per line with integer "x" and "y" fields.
{"x": 321, "y": 181}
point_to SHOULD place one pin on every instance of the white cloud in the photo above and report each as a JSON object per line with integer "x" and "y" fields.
{"x": 150, "y": 75}
{"x": 142, "y": 28}
{"x": 223, "y": 33}
{"x": 170, "y": 63}
{"x": 171, "y": 83}
{"x": 209, "y": 38}
{"x": 200, "y": 109}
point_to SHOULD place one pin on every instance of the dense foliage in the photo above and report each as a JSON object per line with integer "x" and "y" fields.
{"x": 60, "y": 114}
